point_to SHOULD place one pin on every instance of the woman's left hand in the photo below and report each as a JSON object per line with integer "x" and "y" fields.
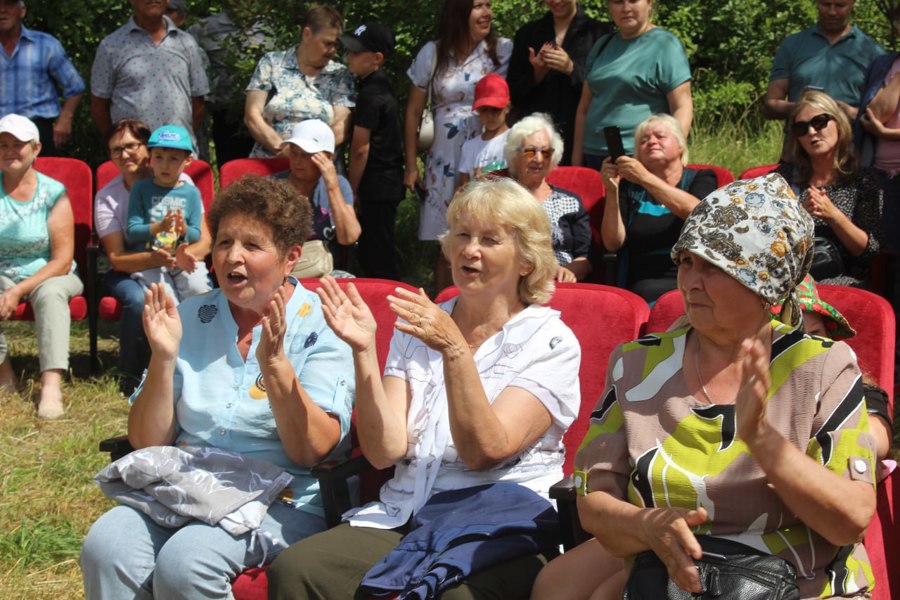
{"x": 9, "y": 301}
{"x": 872, "y": 124}
{"x": 818, "y": 204}
{"x": 564, "y": 275}
{"x": 326, "y": 167}
{"x": 425, "y": 320}
{"x": 274, "y": 324}
{"x": 750, "y": 404}
{"x": 631, "y": 169}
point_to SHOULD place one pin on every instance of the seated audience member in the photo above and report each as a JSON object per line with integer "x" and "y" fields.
{"x": 648, "y": 197}
{"x": 533, "y": 149}
{"x": 822, "y": 319}
{"x": 127, "y": 145}
{"x": 476, "y": 391}
{"x": 720, "y": 409}
{"x": 311, "y": 150}
{"x": 37, "y": 247}
{"x": 288, "y": 407}
{"x": 165, "y": 212}
{"x": 843, "y": 199}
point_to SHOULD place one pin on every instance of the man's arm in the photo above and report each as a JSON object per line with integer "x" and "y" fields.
{"x": 62, "y": 128}
{"x": 100, "y": 113}
{"x": 776, "y": 105}
{"x": 198, "y": 110}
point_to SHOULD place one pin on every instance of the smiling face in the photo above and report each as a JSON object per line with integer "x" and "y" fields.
{"x": 532, "y": 170}
{"x": 658, "y": 146}
{"x": 561, "y": 9}
{"x": 12, "y": 12}
{"x": 480, "y": 18}
{"x": 834, "y": 15}
{"x": 817, "y": 143}
{"x": 632, "y": 17}
{"x": 128, "y": 153}
{"x": 715, "y": 302}
{"x": 17, "y": 156}
{"x": 168, "y": 164}
{"x": 484, "y": 257}
{"x": 247, "y": 262}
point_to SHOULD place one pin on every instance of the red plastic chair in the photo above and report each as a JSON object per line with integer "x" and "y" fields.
{"x": 587, "y": 184}
{"x": 253, "y": 584}
{"x": 873, "y": 318}
{"x": 758, "y": 171}
{"x": 235, "y": 169}
{"x": 723, "y": 175}
{"x": 109, "y": 308}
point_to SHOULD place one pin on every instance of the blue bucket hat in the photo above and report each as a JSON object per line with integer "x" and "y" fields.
{"x": 171, "y": 136}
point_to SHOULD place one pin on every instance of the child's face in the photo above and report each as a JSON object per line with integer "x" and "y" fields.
{"x": 168, "y": 164}
{"x": 814, "y": 324}
{"x": 492, "y": 118}
{"x": 363, "y": 63}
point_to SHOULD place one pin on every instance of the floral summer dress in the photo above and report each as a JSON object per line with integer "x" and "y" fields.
{"x": 455, "y": 122}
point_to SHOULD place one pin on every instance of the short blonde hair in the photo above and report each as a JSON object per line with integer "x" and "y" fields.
{"x": 506, "y": 203}
{"x": 674, "y": 128}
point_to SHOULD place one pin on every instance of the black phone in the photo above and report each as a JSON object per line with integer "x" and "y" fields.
{"x": 614, "y": 145}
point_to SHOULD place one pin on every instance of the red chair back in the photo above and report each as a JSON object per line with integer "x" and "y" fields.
{"x": 235, "y": 169}
{"x": 758, "y": 171}
{"x": 723, "y": 175}
{"x": 198, "y": 170}
{"x": 587, "y": 184}
{"x": 77, "y": 177}
{"x": 601, "y": 317}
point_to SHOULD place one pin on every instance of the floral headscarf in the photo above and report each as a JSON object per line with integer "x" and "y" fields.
{"x": 756, "y": 231}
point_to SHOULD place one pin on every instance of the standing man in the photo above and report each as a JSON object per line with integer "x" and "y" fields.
{"x": 832, "y": 55}
{"x": 34, "y": 73}
{"x": 148, "y": 69}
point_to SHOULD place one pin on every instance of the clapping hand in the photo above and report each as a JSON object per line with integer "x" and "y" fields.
{"x": 554, "y": 57}
{"x": 274, "y": 324}
{"x": 818, "y": 204}
{"x": 750, "y": 404}
{"x": 162, "y": 324}
{"x": 347, "y": 315}
{"x": 425, "y": 320}
{"x": 184, "y": 260}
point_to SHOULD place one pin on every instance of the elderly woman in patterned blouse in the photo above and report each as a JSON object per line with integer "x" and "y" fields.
{"x": 298, "y": 84}
{"x": 533, "y": 149}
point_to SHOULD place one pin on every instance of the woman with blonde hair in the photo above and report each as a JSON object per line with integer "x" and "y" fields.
{"x": 477, "y": 390}
{"x": 844, "y": 200}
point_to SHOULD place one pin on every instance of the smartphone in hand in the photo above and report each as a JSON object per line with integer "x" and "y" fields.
{"x": 614, "y": 145}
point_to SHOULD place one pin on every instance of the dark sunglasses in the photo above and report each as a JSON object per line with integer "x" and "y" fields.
{"x": 818, "y": 122}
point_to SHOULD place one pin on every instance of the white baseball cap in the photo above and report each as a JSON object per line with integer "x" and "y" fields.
{"x": 22, "y": 128}
{"x": 312, "y": 136}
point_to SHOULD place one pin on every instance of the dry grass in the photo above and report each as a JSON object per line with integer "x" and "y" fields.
{"x": 48, "y": 499}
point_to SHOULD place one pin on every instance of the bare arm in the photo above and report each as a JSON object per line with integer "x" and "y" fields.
{"x": 198, "y": 111}
{"x": 130, "y": 262}
{"x": 853, "y": 238}
{"x": 100, "y": 114}
{"x": 261, "y": 131}
{"x": 884, "y": 104}
{"x": 580, "y": 117}
{"x": 359, "y": 156}
{"x": 612, "y": 229}
{"x": 346, "y": 225}
{"x": 62, "y": 127}
{"x": 775, "y": 104}
{"x": 678, "y": 201}
{"x": 580, "y": 267}
{"x": 340, "y": 124}
{"x": 415, "y": 104}
{"x": 681, "y": 106}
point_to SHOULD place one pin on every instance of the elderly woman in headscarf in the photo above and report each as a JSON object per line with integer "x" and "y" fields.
{"x": 732, "y": 428}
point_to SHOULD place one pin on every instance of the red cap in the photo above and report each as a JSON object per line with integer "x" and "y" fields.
{"x": 491, "y": 91}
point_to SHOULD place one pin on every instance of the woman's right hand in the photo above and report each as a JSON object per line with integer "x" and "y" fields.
{"x": 668, "y": 533}
{"x": 347, "y": 315}
{"x": 412, "y": 181}
{"x": 610, "y": 174}
{"x": 162, "y": 324}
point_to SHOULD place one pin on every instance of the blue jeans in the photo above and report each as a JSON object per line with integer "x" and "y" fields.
{"x": 134, "y": 351}
{"x": 127, "y": 555}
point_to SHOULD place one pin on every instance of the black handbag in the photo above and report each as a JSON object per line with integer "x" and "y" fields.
{"x": 728, "y": 571}
{"x": 827, "y": 261}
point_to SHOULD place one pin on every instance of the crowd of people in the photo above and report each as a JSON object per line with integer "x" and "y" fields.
{"x": 248, "y": 380}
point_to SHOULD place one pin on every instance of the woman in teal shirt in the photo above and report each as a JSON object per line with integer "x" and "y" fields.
{"x": 634, "y": 73}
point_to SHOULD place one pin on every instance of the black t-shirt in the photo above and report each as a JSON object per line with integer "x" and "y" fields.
{"x": 376, "y": 110}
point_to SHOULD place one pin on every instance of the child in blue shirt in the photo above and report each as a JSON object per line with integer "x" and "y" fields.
{"x": 164, "y": 212}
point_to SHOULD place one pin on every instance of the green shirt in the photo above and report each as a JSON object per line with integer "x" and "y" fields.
{"x": 629, "y": 81}
{"x": 807, "y": 58}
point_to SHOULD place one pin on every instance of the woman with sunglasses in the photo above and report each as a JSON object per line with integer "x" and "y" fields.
{"x": 127, "y": 145}
{"x": 844, "y": 200}
{"x": 533, "y": 149}
{"x": 648, "y": 197}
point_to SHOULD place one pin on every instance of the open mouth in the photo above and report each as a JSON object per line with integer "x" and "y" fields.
{"x": 470, "y": 270}
{"x": 235, "y": 278}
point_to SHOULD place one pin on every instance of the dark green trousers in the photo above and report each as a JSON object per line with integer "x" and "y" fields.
{"x": 330, "y": 566}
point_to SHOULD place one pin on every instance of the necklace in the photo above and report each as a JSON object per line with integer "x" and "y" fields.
{"x": 699, "y": 376}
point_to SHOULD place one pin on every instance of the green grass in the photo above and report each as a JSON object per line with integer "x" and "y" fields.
{"x": 47, "y": 496}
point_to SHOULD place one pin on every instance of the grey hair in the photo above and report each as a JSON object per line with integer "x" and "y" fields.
{"x": 674, "y": 127}
{"x": 529, "y": 126}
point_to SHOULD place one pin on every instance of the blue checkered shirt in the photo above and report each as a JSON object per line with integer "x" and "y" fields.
{"x": 37, "y": 74}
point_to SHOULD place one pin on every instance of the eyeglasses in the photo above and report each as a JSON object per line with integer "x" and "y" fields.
{"x": 532, "y": 151}
{"x": 118, "y": 151}
{"x": 818, "y": 122}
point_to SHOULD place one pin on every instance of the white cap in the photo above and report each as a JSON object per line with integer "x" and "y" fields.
{"x": 312, "y": 136}
{"x": 20, "y": 127}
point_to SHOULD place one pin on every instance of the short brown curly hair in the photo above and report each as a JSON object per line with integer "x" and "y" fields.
{"x": 270, "y": 201}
